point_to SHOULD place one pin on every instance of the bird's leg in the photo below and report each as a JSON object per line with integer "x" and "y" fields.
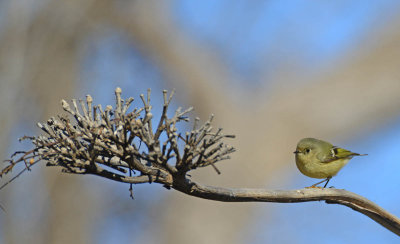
{"x": 327, "y": 180}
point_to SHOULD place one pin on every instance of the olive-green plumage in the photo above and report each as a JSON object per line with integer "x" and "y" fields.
{"x": 320, "y": 159}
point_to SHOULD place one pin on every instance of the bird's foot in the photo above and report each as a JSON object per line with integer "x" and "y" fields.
{"x": 313, "y": 187}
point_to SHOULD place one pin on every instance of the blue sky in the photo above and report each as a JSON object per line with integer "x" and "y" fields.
{"x": 315, "y": 31}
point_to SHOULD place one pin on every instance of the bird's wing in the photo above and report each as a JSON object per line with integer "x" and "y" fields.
{"x": 338, "y": 153}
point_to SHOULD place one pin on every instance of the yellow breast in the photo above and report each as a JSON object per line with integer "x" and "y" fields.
{"x": 316, "y": 169}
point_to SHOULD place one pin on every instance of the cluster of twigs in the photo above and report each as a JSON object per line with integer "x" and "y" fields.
{"x": 108, "y": 142}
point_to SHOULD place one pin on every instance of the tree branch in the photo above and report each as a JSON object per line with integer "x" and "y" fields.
{"x": 221, "y": 194}
{"x": 329, "y": 195}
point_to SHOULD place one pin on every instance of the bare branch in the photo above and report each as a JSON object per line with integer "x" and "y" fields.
{"x": 329, "y": 195}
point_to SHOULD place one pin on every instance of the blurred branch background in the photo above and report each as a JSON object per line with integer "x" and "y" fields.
{"x": 271, "y": 71}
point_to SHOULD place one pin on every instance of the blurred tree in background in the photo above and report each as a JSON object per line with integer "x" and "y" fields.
{"x": 273, "y": 72}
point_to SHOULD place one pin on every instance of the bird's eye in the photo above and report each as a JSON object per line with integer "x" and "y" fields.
{"x": 307, "y": 150}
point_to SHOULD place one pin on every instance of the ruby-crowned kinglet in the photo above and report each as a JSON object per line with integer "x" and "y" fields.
{"x": 320, "y": 159}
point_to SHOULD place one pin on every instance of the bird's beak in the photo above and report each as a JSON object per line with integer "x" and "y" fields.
{"x": 296, "y": 152}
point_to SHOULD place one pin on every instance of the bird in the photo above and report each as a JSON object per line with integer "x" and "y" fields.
{"x": 320, "y": 159}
